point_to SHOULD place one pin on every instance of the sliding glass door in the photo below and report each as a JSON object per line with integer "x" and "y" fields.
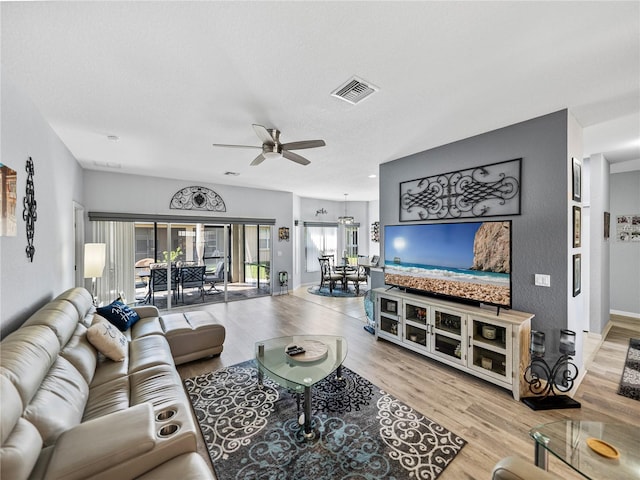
{"x": 147, "y": 261}
{"x": 257, "y": 255}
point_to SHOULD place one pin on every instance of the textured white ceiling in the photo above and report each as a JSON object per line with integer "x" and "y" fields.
{"x": 171, "y": 78}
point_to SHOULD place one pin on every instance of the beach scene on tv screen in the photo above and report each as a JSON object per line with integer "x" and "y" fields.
{"x": 466, "y": 260}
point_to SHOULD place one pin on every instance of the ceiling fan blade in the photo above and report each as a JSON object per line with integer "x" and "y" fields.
{"x": 258, "y": 160}
{"x": 263, "y": 134}
{"x": 295, "y": 157}
{"x": 234, "y": 146}
{"x": 303, "y": 144}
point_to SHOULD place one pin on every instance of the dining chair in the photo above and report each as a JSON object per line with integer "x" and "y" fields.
{"x": 359, "y": 276}
{"x": 192, "y": 277}
{"x": 327, "y": 276}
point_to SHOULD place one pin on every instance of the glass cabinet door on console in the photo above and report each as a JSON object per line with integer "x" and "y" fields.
{"x": 416, "y": 328}
{"x": 448, "y": 334}
{"x": 389, "y": 325}
{"x": 490, "y": 349}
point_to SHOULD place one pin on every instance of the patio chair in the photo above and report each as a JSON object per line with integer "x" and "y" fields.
{"x": 192, "y": 277}
{"x": 213, "y": 277}
{"x": 158, "y": 281}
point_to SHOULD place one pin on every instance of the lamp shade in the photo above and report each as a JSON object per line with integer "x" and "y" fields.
{"x": 94, "y": 259}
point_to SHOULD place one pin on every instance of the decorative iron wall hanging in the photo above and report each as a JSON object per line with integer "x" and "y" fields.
{"x": 375, "y": 232}
{"x": 485, "y": 191}
{"x": 29, "y": 210}
{"x": 197, "y": 198}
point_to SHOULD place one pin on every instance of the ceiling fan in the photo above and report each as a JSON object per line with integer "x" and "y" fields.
{"x": 272, "y": 148}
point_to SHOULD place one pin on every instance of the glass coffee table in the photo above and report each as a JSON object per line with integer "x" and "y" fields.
{"x": 323, "y": 355}
{"x": 596, "y": 450}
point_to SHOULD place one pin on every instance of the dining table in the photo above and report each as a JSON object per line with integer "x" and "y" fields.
{"x": 344, "y": 270}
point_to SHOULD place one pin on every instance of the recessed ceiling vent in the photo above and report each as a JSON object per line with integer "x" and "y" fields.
{"x": 354, "y": 90}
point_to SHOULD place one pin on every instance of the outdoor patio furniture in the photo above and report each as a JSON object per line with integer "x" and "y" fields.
{"x": 192, "y": 277}
{"x": 158, "y": 281}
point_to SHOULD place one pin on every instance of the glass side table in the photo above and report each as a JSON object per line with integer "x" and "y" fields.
{"x": 569, "y": 441}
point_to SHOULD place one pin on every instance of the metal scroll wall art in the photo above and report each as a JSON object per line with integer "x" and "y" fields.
{"x": 29, "y": 211}
{"x": 197, "y": 198}
{"x": 484, "y": 191}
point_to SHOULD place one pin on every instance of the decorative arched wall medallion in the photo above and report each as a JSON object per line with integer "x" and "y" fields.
{"x": 29, "y": 210}
{"x": 197, "y": 198}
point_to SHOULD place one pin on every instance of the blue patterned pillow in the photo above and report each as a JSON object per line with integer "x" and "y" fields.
{"x": 119, "y": 314}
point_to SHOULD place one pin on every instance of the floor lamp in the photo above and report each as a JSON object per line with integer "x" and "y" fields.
{"x": 94, "y": 259}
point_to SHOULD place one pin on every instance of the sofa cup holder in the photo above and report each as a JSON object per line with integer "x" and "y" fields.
{"x": 165, "y": 415}
{"x": 168, "y": 430}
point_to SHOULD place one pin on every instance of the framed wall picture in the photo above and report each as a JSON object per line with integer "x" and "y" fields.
{"x": 283, "y": 234}
{"x": 577, "y": 225}
{"x": 628, "y": 227}
{"x": 8, "y": 200}
{"x": 577, "y": 272}
{"x": 577, "y": 179}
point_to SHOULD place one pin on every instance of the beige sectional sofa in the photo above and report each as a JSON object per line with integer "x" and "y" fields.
{"x": 69, "y": 413}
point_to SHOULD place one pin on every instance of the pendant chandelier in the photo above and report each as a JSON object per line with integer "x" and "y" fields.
{"x": 345, "y": 219}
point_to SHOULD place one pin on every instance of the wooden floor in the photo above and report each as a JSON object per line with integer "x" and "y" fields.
{"x": 488, "y": 417}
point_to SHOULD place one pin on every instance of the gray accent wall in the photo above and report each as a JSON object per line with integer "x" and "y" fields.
{"x": 25, "y": 285}
{"x": 624, "y": 256}
{"x": 540, "y": 233}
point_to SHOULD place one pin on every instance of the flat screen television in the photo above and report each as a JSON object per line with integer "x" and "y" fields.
{"x": 468, "y": 261}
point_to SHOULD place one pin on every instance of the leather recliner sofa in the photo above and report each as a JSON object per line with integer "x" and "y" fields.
{"x": 69, "y": 413}
{"x": 516, "y": 468}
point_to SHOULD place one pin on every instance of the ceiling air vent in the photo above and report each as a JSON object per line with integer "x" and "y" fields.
{"x": 354, "y": 90}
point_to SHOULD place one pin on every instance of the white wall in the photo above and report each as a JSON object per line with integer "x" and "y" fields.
{"x": 25, "y": 285}
{"x": 120, "y": 193}
{"x": 308, "y": 209}
{"x": 598, "y": 246}
{"x": 374, "y": 216}
{"x": 625, "y": 256}
{"x": 577, "y": 307}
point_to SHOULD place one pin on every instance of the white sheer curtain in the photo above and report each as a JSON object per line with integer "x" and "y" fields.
{"x": 319, "y": 241}
{"x": 119, "y": 272}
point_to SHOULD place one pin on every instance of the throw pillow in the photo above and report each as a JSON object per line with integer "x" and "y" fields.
{"x": 108, "y": 340}
{"x": 119, "y": 314}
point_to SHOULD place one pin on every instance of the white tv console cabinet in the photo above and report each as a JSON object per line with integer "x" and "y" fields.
{"x": 473, "y": 339}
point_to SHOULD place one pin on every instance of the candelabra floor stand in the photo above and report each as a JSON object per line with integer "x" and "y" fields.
{"x": 545, "y": 380}
{"x": 552, "y": 402}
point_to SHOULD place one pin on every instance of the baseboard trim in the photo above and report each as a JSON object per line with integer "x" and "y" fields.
{"x": 625, "y": 314}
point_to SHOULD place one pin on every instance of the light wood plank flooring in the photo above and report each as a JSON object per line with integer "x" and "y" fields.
{"x": 488, "y": 417}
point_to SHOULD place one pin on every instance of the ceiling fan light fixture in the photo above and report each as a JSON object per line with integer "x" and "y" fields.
{"x": 272, "y": 155}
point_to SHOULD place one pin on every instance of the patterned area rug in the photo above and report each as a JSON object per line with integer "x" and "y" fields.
{"x": 630, "y": 381}
{"x": 337, "y": 292}
{"x": 361, "y": 431}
